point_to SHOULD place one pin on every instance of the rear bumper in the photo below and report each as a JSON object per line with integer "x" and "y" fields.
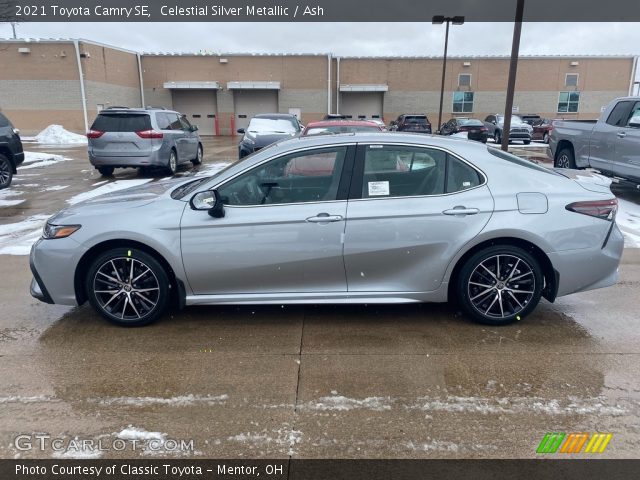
{"x": 588, "y": 269}
{"x": 155, "y": 158}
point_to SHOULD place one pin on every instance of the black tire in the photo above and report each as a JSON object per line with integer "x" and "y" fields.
{"x": 497, "y": 137}
{"x": 106, "y": 171}
{"x": 199, "y": 154}
{"x": 527, "y": 142}
{"x": 172, "y": 163}
{"x": 565, "y": 159}
{"x": 485, "y": 304}
{"x": 124, "y": 302}
{"x": 6, "y": 172}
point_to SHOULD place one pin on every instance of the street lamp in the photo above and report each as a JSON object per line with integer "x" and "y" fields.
{"x": 439, "y": 20}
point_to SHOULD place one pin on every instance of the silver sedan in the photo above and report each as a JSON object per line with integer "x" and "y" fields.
{"x": 364, "y": 218}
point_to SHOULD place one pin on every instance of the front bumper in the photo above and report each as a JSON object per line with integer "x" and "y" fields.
{"x": 18, "y": 158}
{"x": 37, "y": 289}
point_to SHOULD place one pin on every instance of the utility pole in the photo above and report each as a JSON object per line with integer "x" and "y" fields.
{"x": 13, "y": 27}
{"x": 436, "y": 20}
{"x": 513, "y": 68}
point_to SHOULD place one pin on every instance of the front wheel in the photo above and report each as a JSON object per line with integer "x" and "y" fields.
{"x": 527, "y": 142}
{"x": 499, "y": 285}
{"x": 6, "y": 172}
{"x": 106, "y": 171}
{"x": 565, "y": 159}
{"x": 128, "y": 287}
{"x": 199, "y": 155}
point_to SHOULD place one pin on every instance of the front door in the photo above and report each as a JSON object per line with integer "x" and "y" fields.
{"x": 282, "y": 231}
{"x": 411, "y": 210}
{"x": 627, "y": 156}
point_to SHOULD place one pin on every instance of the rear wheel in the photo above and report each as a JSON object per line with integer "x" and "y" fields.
{"x": 565, "y": 159}
{"x": 106, "y": 171}
{"x": 172, "y": 166}
{"x": 128, "y": 287}
{"x": 499, "y": 285}
{"x": 6, "y": 172}
{"x": 198, "y": 159}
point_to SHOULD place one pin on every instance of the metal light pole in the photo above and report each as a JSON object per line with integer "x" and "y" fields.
{"x": 439, "y": 20}
{"x": 513, "y": 68}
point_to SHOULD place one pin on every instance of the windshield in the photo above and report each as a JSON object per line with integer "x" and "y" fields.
{"x": 267, "y": 125}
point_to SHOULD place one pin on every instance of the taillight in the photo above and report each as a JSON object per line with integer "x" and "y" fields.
{"x": 94, "y": 133}
{"x": 149, "y": 134}
{"x": 604, "y": 209}
{"x": 484, "y": 129}
{"x": 463, "y": 129}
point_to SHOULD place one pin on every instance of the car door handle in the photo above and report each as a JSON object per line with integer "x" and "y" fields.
{"x": 324, "y": 218}
{"x": 621, "y": 134}
{"x": 460, "y": 210}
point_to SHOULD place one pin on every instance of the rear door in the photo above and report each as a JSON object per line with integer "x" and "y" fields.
{"x": 120, "y": 137}
{"x": 411, "y": 209}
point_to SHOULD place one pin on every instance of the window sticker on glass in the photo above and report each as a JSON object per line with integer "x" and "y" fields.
{"x": 375, "y": 146}
{"x": 378, "y": 189}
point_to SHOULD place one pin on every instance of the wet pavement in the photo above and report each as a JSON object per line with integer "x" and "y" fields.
{"x": 403, "y": 381}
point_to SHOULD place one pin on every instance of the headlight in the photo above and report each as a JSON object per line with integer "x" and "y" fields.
{"x": 58, "y": 231}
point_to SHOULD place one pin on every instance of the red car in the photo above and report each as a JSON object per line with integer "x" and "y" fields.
{"x": 329, "y": 127}
{"x": 542, "y": 129}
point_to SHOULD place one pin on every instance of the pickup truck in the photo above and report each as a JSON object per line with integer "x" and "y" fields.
{"x": 610, "y": 144}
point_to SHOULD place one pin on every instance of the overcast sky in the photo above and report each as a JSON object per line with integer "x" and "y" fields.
{"x": 354, "y": 39}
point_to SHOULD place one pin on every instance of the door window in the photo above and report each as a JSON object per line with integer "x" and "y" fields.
{"x": 634, "y": 116}
{"x": 185, "y": 125}
{"x": 163, "y": 121}
{"x": 176, "y": 124}
{"x": 311, "y": 176}
{"x": 619, "y": 115}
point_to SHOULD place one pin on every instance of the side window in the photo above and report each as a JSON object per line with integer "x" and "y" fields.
{"x": 176, "y": 124}
{"x": 184, "y": 121}
{"x": 311, "y": 176}
{"x": 394, "y": 171}
{"x": 163, "y": 121}
{"x": 634, "y": 115}
{"x": 619, "y": 115}
{"x": 461, "y": 176}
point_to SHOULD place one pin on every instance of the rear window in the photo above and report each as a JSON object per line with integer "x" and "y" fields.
{"x": 496, "y": 152}
{"x": 416, "y": 119}
{"x": 471, "y": 122}
{"x": 123, "y": 122}
{"x": 4, "y": 121}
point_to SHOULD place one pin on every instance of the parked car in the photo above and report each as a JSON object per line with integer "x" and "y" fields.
{"x": 265, "y": 129}
{"x": 11, "y": 153}
{"x": 519, "y": 130}
{"x": 474, "y": 128}
{"x": 329, "y": 127}
{"x": 122, "y": 137}
{"x": 378, "y": 121}
{"x": 458, "y": 220}
{"x": 542, "y": 129}
{"x": 610, "y": 144}
{"x": 411, "y": 122}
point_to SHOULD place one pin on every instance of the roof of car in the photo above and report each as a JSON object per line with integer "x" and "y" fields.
{"x": 135, "y": 110}
{"x": 274, "y": 116}
{"x": 342, "y": 123}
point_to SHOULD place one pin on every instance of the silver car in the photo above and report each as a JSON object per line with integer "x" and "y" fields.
{"x": 122, "y": 137}
{"x": 356, "y": 218}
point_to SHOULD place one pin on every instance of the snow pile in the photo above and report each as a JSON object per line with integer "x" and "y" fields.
{"x": 107, "y": 188}
{"x": 17, "y": 238}
{"x": 7, "y": 201}
{"x": 39, "y": 159}
{"x": 57, "y": 135}
{"x": 628, "y": 219}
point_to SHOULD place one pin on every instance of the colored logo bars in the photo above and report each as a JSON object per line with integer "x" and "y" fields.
{"x": 574, "y": 443}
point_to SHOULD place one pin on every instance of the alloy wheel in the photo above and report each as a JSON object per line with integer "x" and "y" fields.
{"x": 173, "y": 162}
{"x": 126, "y": 288}
{"x": 563, "y": 161}
{"x": 5, "y": 173}
{"x": 501, "y": 286}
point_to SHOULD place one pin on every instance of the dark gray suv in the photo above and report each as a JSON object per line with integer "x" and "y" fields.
{"x": 11, "y": 154}
{"x": 123, "y": 137}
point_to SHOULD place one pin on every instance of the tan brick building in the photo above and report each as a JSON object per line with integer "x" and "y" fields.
{"x": 60, "y": 81}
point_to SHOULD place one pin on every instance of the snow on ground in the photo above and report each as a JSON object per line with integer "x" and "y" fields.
{"x": 210, "y": 169}
{"x": 178, "y": 401}
{"x": 628, "y": 219}
{"x": 17, "y": 238}
{"x": 41, "y": 159}
{"x": 77, "y": 450}
{"x": 7, "y": 201}
{"x": 57, "y": 135}
{"x": 23, "y": 399}
{"x": 135, "y": 433}
{"x": 55, "y": 188}
{"x": 107, "y": 188}
{"x": 285, "y": 437}
{"x": 342, "y": 403}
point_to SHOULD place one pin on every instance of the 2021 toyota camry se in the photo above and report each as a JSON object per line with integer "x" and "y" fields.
{"x": 389, "y": 218}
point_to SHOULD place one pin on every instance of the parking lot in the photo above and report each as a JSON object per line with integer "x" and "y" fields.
{"x": 396, "y": 381}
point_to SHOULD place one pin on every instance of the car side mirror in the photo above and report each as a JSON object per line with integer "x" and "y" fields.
{"x": 210, "y": 201}
{"x": 194, "y": 128}
{"x": 240, "y": 130}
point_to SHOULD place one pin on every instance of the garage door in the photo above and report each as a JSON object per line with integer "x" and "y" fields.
{"x": 200, "y": 107}
{"x": 247, "y": 103}
{"x": 361, "y": 104}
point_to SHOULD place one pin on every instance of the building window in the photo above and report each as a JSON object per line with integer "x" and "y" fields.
{"x": 462, "y": 102}
{"x": 568, "y": 102}
{"x": 571, "y": 80}
{"x": 464, "y": 80}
